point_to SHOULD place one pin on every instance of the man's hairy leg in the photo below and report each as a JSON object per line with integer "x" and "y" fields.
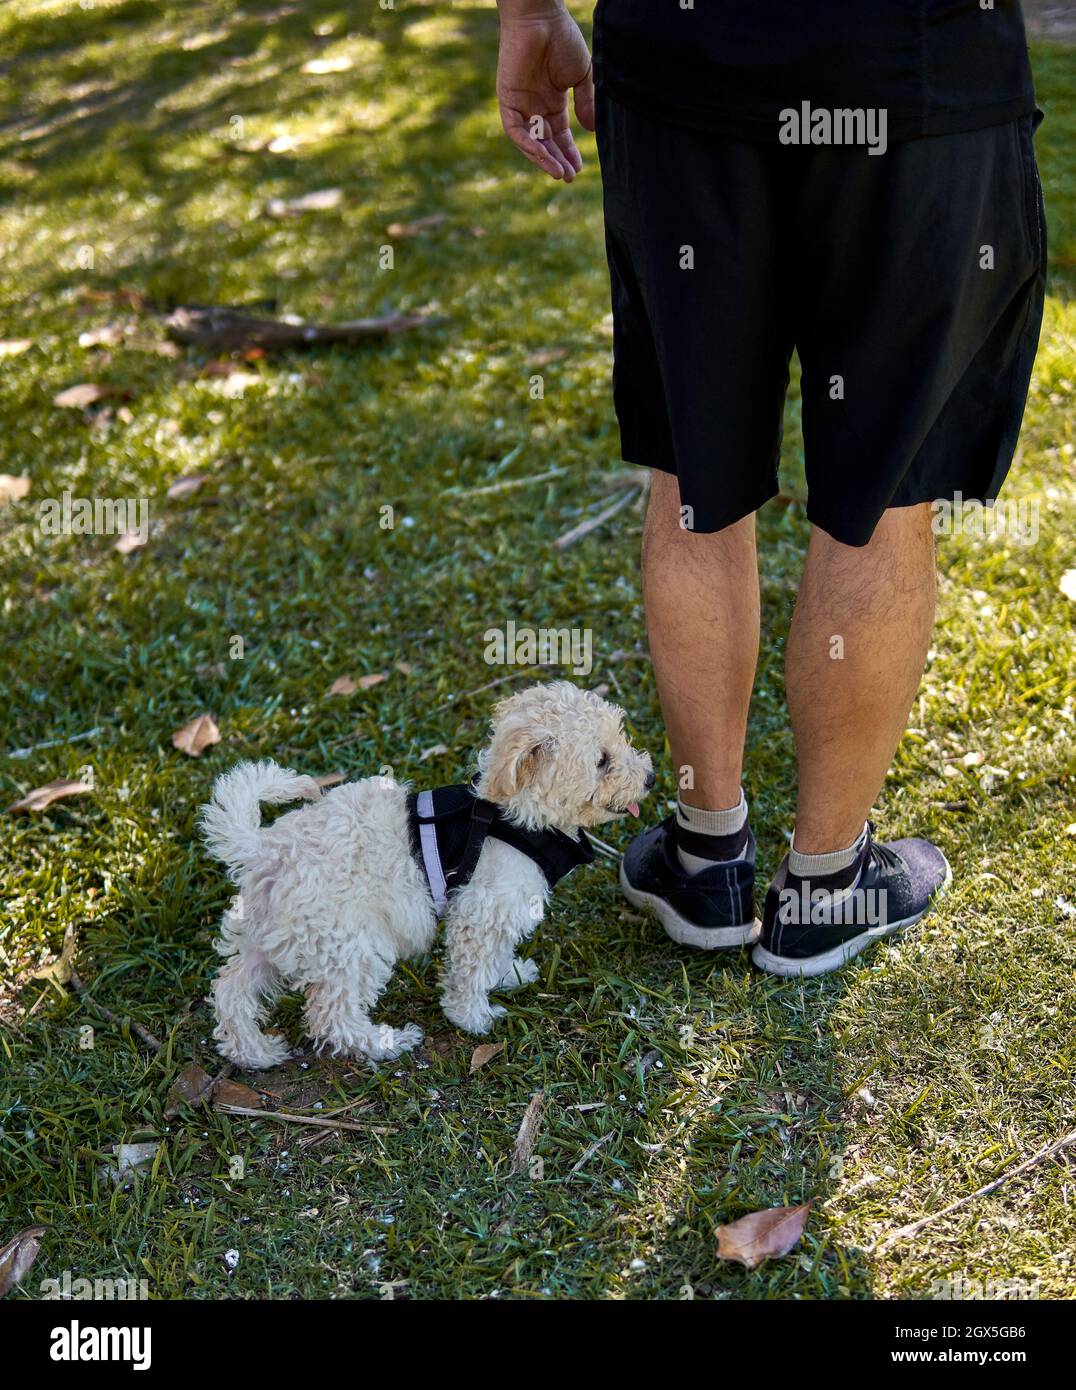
{"x": 855, "y": 656}
{"x": 702, "y": 616}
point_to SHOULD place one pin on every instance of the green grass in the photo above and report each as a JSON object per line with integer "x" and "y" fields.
{"x": 882, "y": 1094}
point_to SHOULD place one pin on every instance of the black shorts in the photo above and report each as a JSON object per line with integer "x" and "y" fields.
{"x": 910, "y": 283}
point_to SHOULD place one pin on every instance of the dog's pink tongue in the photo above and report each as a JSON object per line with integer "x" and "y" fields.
{"x": 633, "y": 807}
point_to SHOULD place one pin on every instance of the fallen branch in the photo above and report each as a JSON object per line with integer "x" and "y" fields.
{"x": 319, "y": 1136}
{"x": 592, "y": 523}
{"x": 79, "y": 986}
{"x": 1043, "y": 1154}
{"x": 492, "y": 685}
{"x": 314, "y": 1120}
{"x": 225, "y": 328}
{"x": 644, "y": 491}
{"x": 505, "y": 485}
{"x": 590, "y": 1153}
{"x": 222, "y": 1075}
{"x": 53, "y": 743}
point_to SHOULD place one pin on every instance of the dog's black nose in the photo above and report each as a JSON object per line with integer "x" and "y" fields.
{"x": 650, "y": 780}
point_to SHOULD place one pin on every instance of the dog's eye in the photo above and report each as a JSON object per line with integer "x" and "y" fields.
{"x": 603, "y": 762}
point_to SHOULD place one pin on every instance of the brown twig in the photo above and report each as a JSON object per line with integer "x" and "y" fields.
{"x": 505, "y": 485}
{"x": 222, "y": 327}
{"x": 492, "y": 685}
{"x": 79, "y": 986}
{"x": 590, "y": 1153}
{"x": 316, "y": 1121}
{"x": 592, "y": 523}
{"x": 1048, "y": 1152}
{"x": 644, "y": 492}
{"x": 222, "y": 1075}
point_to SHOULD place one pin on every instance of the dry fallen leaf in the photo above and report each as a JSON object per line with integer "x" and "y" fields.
{"x": 107, "y": 335}
{"x": 194, "y": 738}
{"x": 330, "y": 779}
{"x": 343, "y": 685}
{"x": 528, "y": 1133}
{"x": 221, "y": 366}
{"x": 12, "y": 488}
{"x": 404, "y": 667}
{"x": 322, "y": 200}
{"x": 374, "y": 678}
{"x": 18, "y": 1255}
{"x": 132, "y": 299}
{"x": 187, "y": 485}
{"x": 56, "y": 790}
{"x": 235, "y": 1093}
{"x": 129, "y": 1158}
{"x": 189, "y": 1088}
{"x": 484, "y": 1053}
{"x": 83, "y": 395}
{"x": 545, "y": 356}
{"x": 131, "y": 540}
{"x": 60, "y": 969}
{"x": 434, "y": 752}
{"x": 417, "y": 227}
{"x": 763, "y": 1235}
{"x": 135, "y": 1155}
{"x": 12, "y": 347}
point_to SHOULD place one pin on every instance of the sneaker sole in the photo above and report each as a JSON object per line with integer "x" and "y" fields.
{"x": 687, "y": 933}
{"x": 836, "y": 956}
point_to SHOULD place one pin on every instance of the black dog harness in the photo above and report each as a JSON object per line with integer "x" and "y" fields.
{"x": 449, "y": 826}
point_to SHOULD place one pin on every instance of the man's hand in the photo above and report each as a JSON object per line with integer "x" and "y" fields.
{"x": 542, "y": 55}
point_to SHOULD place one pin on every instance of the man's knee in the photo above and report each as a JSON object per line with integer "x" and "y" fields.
{"x": 899, "y": 529}
{"x": 905, "y": 521}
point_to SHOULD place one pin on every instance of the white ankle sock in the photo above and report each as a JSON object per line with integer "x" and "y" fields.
{"x": 718, "y": 824}
{"x": 819, "y": 865}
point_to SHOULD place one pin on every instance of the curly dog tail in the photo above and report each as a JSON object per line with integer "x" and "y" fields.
{"x": 231, "y": 821}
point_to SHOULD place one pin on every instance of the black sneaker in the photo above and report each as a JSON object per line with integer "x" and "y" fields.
{"x": 809, "y": 928}
{"x": 711, "y": 910}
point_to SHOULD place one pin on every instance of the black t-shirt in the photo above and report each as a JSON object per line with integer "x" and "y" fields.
{"x": 733, "y": 66}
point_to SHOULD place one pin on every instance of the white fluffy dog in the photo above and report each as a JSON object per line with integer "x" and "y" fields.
{"x": 333, "y": 894}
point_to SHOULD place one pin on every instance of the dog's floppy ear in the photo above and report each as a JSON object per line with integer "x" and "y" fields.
{"x": 514, "y": 761}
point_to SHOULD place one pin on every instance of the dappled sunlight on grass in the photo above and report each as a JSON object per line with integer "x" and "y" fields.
{"x": 135, "y": 173}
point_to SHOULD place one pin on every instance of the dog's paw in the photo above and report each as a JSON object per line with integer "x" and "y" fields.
{"x": 519, "y": 973}
{"x": 389, "y": 1043}
{"x": 404, "y": 1039}
{"x": 479, "y": 1018}
{"x": 269, "y": 1051}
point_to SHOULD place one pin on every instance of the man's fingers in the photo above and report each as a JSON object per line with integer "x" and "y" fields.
{"x": 539, "y": 153}
{"x": 568, "y": 168}
{"x": 561, "y": 134}
{"x": 544, "y": 153}
{"x": 584, "y": 101}
{"x": 569, "y": 151}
